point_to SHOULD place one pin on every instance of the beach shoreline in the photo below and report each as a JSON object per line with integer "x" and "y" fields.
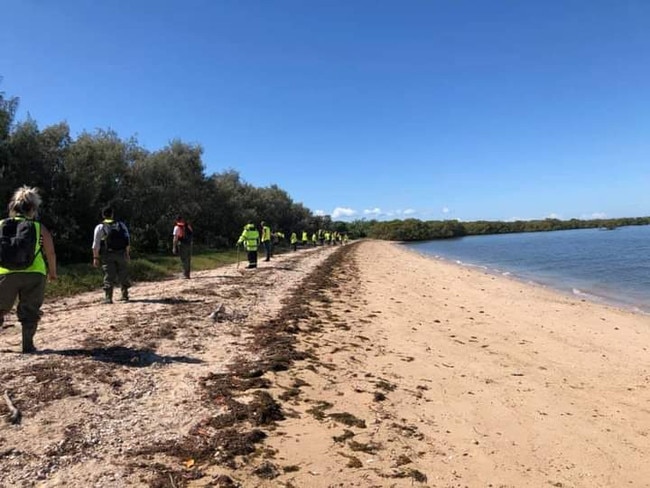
{"x": 570, "y": 292}
{"x": 358, "y": 365}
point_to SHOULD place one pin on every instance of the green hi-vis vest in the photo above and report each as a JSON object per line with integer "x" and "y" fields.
{"x": 294, "y": 238}
{"x": 38, "y": 266}
{"x": 266, "y": 233}
{"x": 250, "y": 239}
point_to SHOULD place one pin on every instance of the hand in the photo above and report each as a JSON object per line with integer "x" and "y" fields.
{"x": 95, "y": 262}
{"x": 51, "y": 275}
{"x": 174, "y": 251}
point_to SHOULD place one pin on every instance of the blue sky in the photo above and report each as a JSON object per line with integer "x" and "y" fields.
{"x": 362, "y": 108}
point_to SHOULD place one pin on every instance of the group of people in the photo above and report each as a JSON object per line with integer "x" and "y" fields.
{"x": 28, "y": 259}
{"x": 252, "y": 237}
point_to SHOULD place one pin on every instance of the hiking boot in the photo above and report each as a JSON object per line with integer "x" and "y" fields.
{"x": 108, "y": 296}
{"x": 125, "y": 295}
{"x": 28, "y": 338}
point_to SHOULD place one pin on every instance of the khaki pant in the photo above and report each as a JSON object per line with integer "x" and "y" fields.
{"x": 114, "y": 265}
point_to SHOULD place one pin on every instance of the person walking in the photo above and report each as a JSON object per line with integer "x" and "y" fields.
{"x": 266, "y": 240}
{"x": 24, "y": 242}
{"x": 182, "y": 244}
{"x": 112, "y": 246}
{"x": 294, "y": 241}
{"x": 250, "y": 238}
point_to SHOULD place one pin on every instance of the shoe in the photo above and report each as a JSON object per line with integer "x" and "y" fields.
{"x": 29, "y": 349}
{"x": 107, "y": 301}
{"x": 124, "y": 298}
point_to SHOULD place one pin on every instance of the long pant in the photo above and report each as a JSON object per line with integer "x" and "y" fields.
{"x": 252, "y": 258}
{"x": 29, "y": 288}
{"x": 267, "y": 248}
{"x": 115, "y": 270}
{"x": 185, "y": 252}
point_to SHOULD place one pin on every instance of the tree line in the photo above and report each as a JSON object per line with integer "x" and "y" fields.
{"x": 77, "y": 176}
{"x": 418, "y": 230}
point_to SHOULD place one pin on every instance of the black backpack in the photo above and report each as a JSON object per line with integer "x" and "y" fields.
{"x": 17, "y": 243}
{"x": 116, "y": 236}
{"x": 188, "y": 234}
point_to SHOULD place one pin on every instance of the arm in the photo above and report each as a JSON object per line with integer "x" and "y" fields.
{"x": 127, "y": 251}
{"x": 175, "y": 240}
{"x": 50, "y": 255}
{"x": 97, "y": 242}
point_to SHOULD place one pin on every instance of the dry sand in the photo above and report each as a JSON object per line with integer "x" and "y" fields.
{"x": 362, "y": 365}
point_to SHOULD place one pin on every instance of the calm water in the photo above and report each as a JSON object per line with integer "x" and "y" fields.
{"x": 606, "y": 266}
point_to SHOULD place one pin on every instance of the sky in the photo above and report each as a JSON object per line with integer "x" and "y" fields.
{"x": 362, "y": 109}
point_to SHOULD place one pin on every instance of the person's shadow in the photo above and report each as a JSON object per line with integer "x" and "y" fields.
{"x": 164, "y": 301}
{"x": 125, "y": 356}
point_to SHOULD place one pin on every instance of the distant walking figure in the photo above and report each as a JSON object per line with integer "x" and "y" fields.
{"x": 112, "y": 244}
{"x": 182, "y": 244}
{"x": 250, "y": 238}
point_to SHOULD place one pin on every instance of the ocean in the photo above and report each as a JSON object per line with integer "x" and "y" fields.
{"x": 607, "y": 266}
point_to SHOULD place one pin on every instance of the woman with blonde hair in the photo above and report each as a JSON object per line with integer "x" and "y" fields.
{"x": 23, "y": 269}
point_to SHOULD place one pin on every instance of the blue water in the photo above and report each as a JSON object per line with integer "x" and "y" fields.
{"x": 606, "y": 266}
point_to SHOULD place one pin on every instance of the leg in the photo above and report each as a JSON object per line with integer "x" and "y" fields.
{"x": 185, "y": 253}
{"x": 30, "y": 299}
{"x": 8, "y": 293}
{"x": 267, "y": 248}
{"x": 109, "y": 266}
{"x": 123, "y": 276}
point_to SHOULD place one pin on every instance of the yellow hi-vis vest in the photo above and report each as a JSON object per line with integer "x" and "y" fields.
{"x": 38, "y": 266}
{"x": 250, "y": 238}
{"x": 266, "y": 233}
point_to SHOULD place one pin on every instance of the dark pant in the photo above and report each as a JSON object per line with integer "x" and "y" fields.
{"x": 267, "y": 248}
{"x": 252, "y": 258}
{"x": 185, "y": 252}
{"x": 29, "y": 288}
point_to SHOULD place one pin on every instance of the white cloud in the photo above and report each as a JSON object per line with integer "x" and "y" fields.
{"x": 595, "y": 215}
{"x": 319, "y": 213}
{"x": 372, "y": 211}
{"x": 445, "y": 210}
{"x": 343, "y": 212}
{"x": 408, "y": 211}
{"x": 553, "y": 215}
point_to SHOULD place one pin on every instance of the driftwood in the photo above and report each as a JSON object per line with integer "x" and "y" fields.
{"x": 14, "y": 413}
{"x": 218, "y": 312}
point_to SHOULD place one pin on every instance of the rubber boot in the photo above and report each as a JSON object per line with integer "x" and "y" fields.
{"x": 108, "y": 296}
{"x": 125, "y": 295}
{"x": 28, "y": 338}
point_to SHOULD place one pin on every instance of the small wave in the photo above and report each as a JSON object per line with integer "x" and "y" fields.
{"x": 506, "y": 273}
{"x": 588, "y": 296}
{"x": 471, "y": 265}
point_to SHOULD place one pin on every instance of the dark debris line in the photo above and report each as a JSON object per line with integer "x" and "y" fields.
{"x": 232, "y": 439}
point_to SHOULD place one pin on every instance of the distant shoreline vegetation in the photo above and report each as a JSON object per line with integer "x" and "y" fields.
{"x": 417, "y": 230}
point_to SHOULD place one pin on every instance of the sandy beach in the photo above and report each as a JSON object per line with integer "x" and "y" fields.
{"x": 359, "y": 365}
